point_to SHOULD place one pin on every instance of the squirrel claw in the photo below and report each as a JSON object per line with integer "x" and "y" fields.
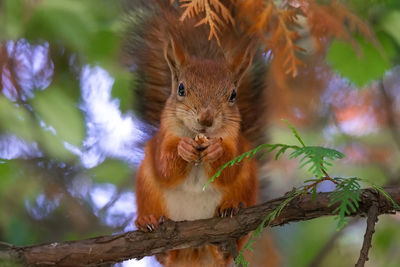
{"x": 229, "y": 209}
{"x": 161, "y": 220}
{"x": 148, "y": 223}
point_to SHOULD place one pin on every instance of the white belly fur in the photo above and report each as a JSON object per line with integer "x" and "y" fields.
{"x": 188, "y": 201}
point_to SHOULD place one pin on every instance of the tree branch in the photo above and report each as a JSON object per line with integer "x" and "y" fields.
{"x": 373, "y": 213}
{"x": 177, "y": 235}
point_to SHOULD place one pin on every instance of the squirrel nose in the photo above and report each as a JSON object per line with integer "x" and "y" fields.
{"x": 205, "y": 118}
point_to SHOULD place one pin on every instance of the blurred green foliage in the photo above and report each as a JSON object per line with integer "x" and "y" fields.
{"x": 89, "y": 30}
{"x": 391, "y": 25}
{"x": 51, "y": 105}
{"x": 111, "y": 170}
{"x": 14, "y": 226}
{"x": 78, "y": 33}
{"x": 16, "y": 120}
{"x": 363, "y": 61}
{"x": 89, "y": 27}
{"x": 302, "y": 241}
{"x": 363, "y": 64}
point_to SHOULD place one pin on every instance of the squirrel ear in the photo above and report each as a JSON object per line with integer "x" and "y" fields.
{"x": 240, "y": 62}
{"x": 175, "y": 56}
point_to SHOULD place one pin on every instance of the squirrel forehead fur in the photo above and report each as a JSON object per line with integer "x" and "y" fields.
{"x": 207, "y": 79}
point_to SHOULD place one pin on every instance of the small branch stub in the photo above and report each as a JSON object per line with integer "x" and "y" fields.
{"x": 373, "y": 213}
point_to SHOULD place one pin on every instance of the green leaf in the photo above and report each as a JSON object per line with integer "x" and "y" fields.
{"x": 111, "y": 171}
{"x": 59, "y": 111}
{"x": 8, "y": 172}
{"x": 63, "y": 122}
{"x": 65, "y": 20}
{"x": 122, "y": 89}
{"x": 11, "y": 19}
{"x": 14, "y": 119}
{"x": 88, "y": 27}
{"x": 103, "y": 46}
{"x": 53, "y": 145}
{"x": 19, "y": 232}
{"x": 360, "y": 67}
{"x": 391, "y": 24}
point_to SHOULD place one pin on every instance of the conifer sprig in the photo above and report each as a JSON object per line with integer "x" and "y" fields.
{"x": 346, "y": 194}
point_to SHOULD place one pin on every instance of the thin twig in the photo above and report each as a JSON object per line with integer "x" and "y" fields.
{"x": 327, "y": 178}
{"x": 373, "y": 213}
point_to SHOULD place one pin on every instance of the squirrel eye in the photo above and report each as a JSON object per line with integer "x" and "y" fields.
{"x": 232, "y": 98}
{"x": 181, "y": 90}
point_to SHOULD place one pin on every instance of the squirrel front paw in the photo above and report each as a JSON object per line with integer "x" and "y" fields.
{"x": 213, "y": 151}
{"x": 187, "y": 149}
{"x": 148, "y": 223}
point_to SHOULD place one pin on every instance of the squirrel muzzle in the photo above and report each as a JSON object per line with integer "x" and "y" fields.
{"x": 205, "y": 117}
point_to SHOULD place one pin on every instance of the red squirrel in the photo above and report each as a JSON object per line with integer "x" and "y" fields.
{"x": 193, "y": 87}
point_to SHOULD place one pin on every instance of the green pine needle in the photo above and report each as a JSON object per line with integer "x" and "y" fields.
{"x": 240, "y": 259}
{"x": 347, "y": 193}
{"x": 296, "y": 134}
{"x": 316, "y": 157}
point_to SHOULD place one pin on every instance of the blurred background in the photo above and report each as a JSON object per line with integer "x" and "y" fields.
{"x": 70, "y": 142}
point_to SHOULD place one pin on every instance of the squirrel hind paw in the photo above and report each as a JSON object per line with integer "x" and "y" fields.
{"x": 229, "y": 209}
{"x": 148, "y": 223}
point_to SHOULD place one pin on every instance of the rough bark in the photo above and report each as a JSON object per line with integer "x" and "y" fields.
{"x": 176, "y": 235}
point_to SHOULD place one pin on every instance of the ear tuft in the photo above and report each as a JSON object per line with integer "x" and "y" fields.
{"x": 175, "y": 57}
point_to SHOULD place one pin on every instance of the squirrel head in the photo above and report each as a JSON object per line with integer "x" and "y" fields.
{"x": 204, "y": 92}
